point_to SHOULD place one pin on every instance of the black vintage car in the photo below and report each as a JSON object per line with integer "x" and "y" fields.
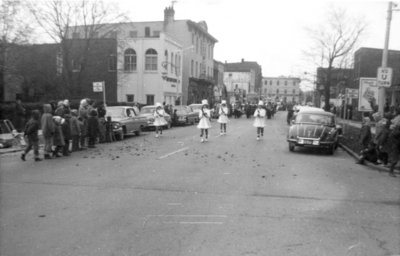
{"x": 314, "y": 128}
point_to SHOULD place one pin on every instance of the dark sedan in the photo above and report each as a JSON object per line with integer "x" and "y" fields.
{"x": 184, "y": 115}
{"x": 315, "y": 129}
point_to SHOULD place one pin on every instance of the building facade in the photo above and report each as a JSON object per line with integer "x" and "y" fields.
{"x": 239, "y": 84}
{"x": 149, "y": 70}
{"x": 285, "y": 89}
{"x": 254, "y": 70}
{"x": 220, "y": 91}
{"x": 197, "y": 50}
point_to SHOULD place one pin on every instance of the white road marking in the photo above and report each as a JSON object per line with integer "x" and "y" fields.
{"x": 227, "y": 173}
{"x": 172, "y": 153}
{"x": 189, "y": 216}
{"x": 200, "y": 223}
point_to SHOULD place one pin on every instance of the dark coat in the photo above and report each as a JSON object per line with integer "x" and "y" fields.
{"x": 365, "y": 135}
{"x": 93, "y": 127}
{"x": 32, "y": 129}
{"x": 48, "y": 126}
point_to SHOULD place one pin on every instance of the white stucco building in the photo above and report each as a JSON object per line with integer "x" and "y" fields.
{"x": 239, "y": 83}
{"x": 149, "y": 69}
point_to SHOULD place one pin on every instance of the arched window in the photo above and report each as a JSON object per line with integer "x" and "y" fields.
{"x": 166, "y": 60}
{"x": 130, "y": 60}
{"x": 151, "y": 60}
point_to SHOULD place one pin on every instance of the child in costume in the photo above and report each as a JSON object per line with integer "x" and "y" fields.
{"x": 204, "y": 123}
{"x": 223, "y": 117}
{"x": 159, "y": 120}
{"x": 259, "y": 121}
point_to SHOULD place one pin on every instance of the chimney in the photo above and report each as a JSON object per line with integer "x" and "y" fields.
{"x": 169, "y": 14}
{"x": 242, "y": 60}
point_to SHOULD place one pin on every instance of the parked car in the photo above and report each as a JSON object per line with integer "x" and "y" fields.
{"x": 148, "y": 113}
{"x": 126, "y": 121}
{"x": 197, "y": 107}
{"x": 314, "y": 128}
{"x": 184, "y": 115}
{"x": 7, "y": 133}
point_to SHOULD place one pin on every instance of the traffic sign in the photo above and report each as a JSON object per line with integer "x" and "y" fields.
{"x": 98, "y": 86}
{"x": 351, "y": 93}
{"x": 384, "y": 77}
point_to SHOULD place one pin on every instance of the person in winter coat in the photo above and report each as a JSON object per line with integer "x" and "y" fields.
{"x": 84, "y": 115}
{"x": 75, "y": 130}
{"x": 48, "y": 130}
{"x": 368, "y": 147}
{"x": 204, "y": 123}
{"x": 223, "y": 117}
{"x": 92, "y": 128}
{"x": 382, "y": 140}
{"x": 31, "y": 132}
{"x": 394, "y": 138}
{"x": 259, "y": 121}
{"x": 159, "y": 120}
{"x": 58, "y": 141}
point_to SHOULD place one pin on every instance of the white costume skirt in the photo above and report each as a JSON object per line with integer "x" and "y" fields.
{"x": 259, "y": 122}
{"x": 222, "y": 119}
{"x": 160, "y": 121}
{"x": 204, "y": 123}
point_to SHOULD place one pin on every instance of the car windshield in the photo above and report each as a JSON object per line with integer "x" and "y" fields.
{"x": 314, "y": 119}
{"x": 115, "y": 112}
{"x": 147, "y": 110}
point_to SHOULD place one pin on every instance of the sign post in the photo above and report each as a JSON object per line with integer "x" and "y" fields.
{"x": 100, "y": 87}
{"x": 384, "y": 77}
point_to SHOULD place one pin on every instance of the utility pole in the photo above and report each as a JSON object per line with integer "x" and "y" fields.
{"x": 382, "y": 90}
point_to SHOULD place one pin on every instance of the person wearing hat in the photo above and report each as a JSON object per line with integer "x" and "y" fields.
{"x": 159, "y": 120}
{"x": 259, "y": 121}
{"x": 223, "y": 116}
{"x": 204, "y": 123}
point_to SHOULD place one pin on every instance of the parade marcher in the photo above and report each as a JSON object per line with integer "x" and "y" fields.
{"x": 31, "y": 132}
{"x": 75, "y": 130}
{"x": 159, "y": 120}
{"x": 58, "y": 141}
{"x": 20, "y": 112}
{"x": 259, "y": 121}
{"x": 92, "y": 128}
{"x": 109, "y": 130}
{"x": 223, "y": 117}
{"x": 204, "y": 123}
{"x": 48, "y": 129}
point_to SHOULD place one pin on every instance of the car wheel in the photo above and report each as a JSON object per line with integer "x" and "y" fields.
{"x": 137, "y": 133}
{"x": 291, "y": 146}
{"x": 331, "y": 149}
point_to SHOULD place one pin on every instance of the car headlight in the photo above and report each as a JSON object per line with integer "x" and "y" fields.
{"x": 116, "y": 125}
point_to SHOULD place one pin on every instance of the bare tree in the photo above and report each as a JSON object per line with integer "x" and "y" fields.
{"x": 61, "y": 19}
{"x": 14, "y": 30}
{"x": 334, "y": 43}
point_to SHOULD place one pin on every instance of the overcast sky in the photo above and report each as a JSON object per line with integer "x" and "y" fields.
{"x": 269, "y": 32}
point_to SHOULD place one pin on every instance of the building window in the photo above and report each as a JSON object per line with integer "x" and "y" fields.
{"x": 270, "y": 82}
{"x": 75, "y": 35}
{"x": 285, "y": 82}
{"x": 76, "y": 66}
{"x": 193, "y": 38}
{"x": 277, "y": 82}
{"x": 192, "y": 68}
{"x": 176, "y": 64}
{"x": 130, "y": 98}
{"x": 294, "y": 83}
{"x": 156, "y": 33}
{"x": 147, "y": 32}
{"x": 112, "y": 62}
{"x": 172, "y": 62}
{"x": 132, "y": 34}
{"x": 151, "y": 60}
{"x": 285, "y": 91}
{"x": 265, "y": 82}
{"x": 130, "y": 60}
{"x": 277, "y": 91}
{"x": 149, "y": 99}
{"x": 197, "y": 69}
{"x": 294, "y": 91}
{"x": 166, "y": 60}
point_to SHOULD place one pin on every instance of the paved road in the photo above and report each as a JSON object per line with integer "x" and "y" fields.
{"x": 176, "y": 196}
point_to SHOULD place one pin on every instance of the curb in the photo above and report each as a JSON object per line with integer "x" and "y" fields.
{"x": 366, "y": 163}
{"x": 11, "y": 150}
